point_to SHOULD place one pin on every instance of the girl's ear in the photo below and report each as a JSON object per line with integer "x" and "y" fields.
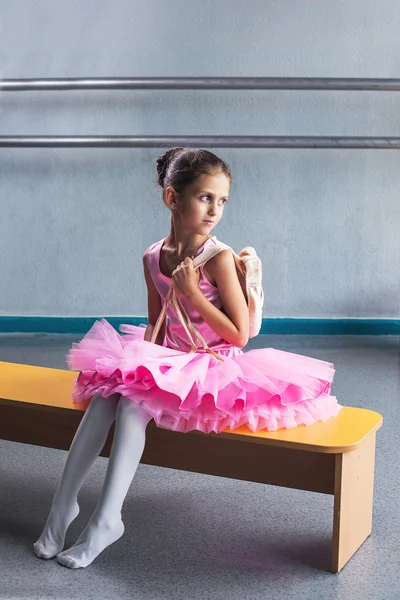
{"x": 170, "y": 198}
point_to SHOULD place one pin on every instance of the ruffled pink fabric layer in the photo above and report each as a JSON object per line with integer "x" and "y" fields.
{"x": 263, "y": 389}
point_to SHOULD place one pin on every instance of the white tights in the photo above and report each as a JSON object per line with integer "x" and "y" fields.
{"x": 105, "y": 525}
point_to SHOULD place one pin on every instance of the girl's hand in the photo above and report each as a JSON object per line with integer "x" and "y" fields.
{"x": 186, "y": 278}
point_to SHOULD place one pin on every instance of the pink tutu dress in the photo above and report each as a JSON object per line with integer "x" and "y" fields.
{"x": 183, "y": 391}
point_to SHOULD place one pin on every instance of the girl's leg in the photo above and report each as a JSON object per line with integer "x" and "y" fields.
{"x": 105, "y": 525}
{"x": 87, "y": 444}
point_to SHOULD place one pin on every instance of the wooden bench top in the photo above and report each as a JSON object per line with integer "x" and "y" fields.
{"x": 44, "y": 388}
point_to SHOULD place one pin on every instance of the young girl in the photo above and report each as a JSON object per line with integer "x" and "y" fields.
{"x": 132, "y": 380}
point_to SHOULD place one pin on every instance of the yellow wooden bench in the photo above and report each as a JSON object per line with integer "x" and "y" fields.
{"x": 335, "y": 457}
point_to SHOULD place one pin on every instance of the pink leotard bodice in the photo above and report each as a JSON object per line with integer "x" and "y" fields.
{"x": 176, "y": 336}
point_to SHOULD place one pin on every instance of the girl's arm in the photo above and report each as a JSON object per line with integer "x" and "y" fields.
{"x": 154, "y": 307}
{"x": 232, "y": 326}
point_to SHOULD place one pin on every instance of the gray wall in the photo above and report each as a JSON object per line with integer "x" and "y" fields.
{"x": 74, "y": 223}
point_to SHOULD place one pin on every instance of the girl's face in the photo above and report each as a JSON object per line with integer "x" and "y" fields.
{"x": 200, "y": 206}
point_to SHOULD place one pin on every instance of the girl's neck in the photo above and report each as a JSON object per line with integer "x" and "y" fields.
{"x": 185, "y": 244}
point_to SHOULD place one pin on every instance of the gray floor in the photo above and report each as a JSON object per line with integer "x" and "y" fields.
{"x": 191, "y": 536}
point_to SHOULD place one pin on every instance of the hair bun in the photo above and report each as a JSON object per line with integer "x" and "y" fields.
{"x": 163, "y": 163}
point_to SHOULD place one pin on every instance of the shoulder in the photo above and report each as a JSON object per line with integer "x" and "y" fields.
{"x": 151, "y": 251}
{"x": 223, "y": 262}
{"x": 153, "y": 247}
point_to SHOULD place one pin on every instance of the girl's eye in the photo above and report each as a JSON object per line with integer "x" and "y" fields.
{"x": 221, "y": 202}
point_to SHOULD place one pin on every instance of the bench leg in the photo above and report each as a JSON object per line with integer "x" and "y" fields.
{"x": 353, "y": 498}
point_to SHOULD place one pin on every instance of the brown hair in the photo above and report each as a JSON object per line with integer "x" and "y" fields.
{"x": 179, "y": 167}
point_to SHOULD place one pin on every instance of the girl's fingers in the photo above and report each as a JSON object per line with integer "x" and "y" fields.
{"x": 184, "y": 263}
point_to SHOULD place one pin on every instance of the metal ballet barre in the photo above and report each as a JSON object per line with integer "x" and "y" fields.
{"x": 200, "y": 83}
{"x": 389, "y": 143}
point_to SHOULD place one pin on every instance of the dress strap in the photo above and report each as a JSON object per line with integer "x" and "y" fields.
{"x": 152, "y": 257}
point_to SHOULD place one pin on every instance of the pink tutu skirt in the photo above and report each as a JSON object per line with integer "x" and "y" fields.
{"x": 263, "y": 389}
